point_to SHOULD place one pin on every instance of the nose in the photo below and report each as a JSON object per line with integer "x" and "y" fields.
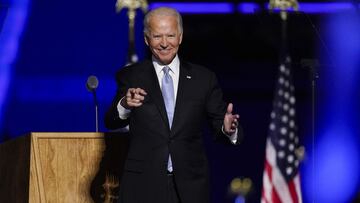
{"x": 163, "y": 42}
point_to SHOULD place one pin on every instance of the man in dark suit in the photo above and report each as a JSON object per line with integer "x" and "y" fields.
{"x": 165, "y": 102}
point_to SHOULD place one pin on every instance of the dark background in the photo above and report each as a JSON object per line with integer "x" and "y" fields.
{"x": 244, "y": 52}
{"x": 64, "y": 42}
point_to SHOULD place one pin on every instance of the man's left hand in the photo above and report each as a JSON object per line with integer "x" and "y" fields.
{"x": 230, "y": 120}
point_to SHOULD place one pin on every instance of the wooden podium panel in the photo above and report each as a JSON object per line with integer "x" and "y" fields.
{"x": 50, "y": 167}
{"x": 63, "y": 166}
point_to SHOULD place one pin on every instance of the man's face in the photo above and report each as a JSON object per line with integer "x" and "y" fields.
{"x": 163, "y": 38}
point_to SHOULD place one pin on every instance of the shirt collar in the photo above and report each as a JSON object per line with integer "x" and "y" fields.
{"x": 174, "y": 65}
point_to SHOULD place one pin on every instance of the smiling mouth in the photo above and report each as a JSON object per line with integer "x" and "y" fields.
{"x": 164, "y": 51}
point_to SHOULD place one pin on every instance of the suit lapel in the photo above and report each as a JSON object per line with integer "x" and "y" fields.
{"x": 154, "y": 91}
{"x": 184, "y": 76}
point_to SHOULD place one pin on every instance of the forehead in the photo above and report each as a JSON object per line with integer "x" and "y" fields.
{"x": 159, "y": 23}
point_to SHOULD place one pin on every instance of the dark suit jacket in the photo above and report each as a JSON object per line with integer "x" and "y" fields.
{"x": 199, "y": 98}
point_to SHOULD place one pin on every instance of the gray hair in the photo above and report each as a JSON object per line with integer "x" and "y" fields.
{"x": 162, "y": 11}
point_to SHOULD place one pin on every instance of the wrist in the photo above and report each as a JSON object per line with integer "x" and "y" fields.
{"x": 124, "y": 104}
{"x": 224, "y": 131}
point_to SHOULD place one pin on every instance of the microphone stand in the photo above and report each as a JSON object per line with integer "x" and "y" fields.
{"x": 96, "y": 111}
{"x": 313, "y": 89}
{"x": 91, "y": 85}
{"x": 313, "y": 64}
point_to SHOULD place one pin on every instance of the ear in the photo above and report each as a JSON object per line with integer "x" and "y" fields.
{"x": 146, "y": 39}
{"x": 181, "y": 36}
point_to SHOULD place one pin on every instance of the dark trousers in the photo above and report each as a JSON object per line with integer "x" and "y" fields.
{"x": 173, "y": 195}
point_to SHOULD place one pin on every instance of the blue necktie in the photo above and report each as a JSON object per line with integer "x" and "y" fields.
{"x": 168, "y": 95}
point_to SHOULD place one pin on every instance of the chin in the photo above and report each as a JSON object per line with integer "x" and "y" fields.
{"x": 166, "y": 60}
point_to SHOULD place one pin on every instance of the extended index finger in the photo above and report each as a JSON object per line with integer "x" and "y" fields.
{"x": 141, "y": 91}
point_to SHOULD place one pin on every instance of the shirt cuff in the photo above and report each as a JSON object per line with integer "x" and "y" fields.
{"x": 233, "y": 137}
{"x": 123, "y": 113}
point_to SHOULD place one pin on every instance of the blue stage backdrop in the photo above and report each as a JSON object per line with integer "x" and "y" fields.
{"x": 62, "y": 43}
{"x": 333, "y": 175}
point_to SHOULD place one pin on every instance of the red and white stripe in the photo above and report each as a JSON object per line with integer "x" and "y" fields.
{"x": 275, "y": 187}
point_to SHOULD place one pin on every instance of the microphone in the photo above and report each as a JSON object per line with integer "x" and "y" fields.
{"x": 91, "y": 85}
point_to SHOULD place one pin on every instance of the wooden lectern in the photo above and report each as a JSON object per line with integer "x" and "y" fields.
{"x": 53, "y": 167}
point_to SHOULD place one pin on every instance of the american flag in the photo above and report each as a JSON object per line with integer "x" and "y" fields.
{"x": 281, "y": 180}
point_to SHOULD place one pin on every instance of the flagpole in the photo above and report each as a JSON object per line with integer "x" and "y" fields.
{"x": 132, "y": 6}
{"x": 284, "y": 48}
{"x": 281, "y": 179}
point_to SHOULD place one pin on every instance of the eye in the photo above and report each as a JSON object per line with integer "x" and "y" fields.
{"x": 156, "y": 37}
